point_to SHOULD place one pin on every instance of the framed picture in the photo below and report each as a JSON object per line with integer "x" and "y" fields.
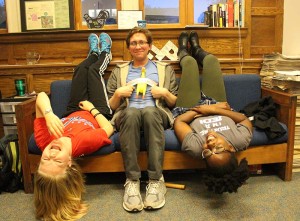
{"x": 38, "y": 15}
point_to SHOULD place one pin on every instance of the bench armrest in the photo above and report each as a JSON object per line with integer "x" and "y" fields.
{"x": 286, "y": 103}
{"x": 25, "y": 115}
{"x": 286, "y": 113}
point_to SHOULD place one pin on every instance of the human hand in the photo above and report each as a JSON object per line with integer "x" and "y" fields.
{"x": 158, "y": 92}
{"x": 124, "y": 91}
{"x": 86, "y": 105}
{"x": 223, "y": 105}
{"x": 204, "y": 109}
{"x": 54, "y": 125}
{"x": 211, "y": 109}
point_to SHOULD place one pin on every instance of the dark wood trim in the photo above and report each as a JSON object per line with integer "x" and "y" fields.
{"x": 72, "y": 35}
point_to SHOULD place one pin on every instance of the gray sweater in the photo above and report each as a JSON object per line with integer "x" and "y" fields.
{"x": 166, "y": 78}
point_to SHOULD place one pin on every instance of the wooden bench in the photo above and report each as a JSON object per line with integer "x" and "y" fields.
{"x": 279, "y": 156}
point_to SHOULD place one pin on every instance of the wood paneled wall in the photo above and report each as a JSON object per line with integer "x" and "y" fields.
{"x": 239, "y": 50}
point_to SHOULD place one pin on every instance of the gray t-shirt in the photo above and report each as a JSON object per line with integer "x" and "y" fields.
{"x": 238, "y": 135}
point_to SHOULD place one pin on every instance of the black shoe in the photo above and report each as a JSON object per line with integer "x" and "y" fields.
{"x": 183, "y": 40}
{"x": 196, "y": 51}
{"x": 194, "y": 43}
{"x": 194, "y": 39}
{"x": 183, "y": 45}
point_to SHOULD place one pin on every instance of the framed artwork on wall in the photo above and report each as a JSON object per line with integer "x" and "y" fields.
{"x": 47, "y": 15}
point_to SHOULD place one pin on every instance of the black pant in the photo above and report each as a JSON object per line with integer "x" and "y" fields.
{"x": 88, "y": 84}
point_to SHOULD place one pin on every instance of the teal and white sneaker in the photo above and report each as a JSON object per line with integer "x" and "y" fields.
{"x": 105, "y": 43}
{"x": 94, "y": 44}
{"x": 155, "y": 194}
{"x": 132, "y": 200}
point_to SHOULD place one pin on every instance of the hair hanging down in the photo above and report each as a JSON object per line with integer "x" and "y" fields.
{"x": 220, "y": 181}
{"x": 59, "y": 197}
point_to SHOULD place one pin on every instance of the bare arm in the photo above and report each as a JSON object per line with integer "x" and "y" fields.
{"x": 44, "y": 109}
{"x": 182, "y": 127}
{"x": 237, "y": 117}
{"x": 101, "y": 120}
{"x": 120, "y": 93}
{"x": 182, "y": 124}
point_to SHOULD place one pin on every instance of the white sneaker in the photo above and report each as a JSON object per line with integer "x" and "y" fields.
{"x": 155, "y": 194}
{"x": 132, "y": 200}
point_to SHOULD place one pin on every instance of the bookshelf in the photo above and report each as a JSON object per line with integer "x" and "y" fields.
{"x": 226, "y": 14}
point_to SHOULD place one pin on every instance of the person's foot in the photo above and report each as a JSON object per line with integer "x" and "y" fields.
{"x": 196, "y": 51}
{"x": 194, "y": 42}
{"x": 132, "y": 200}
{"x": 105, "y": 43}
{"x": 183, "y": 40}
{"x": 183, "y": 45}
{"x": 93, "y": 44}
{"x": 155, "y": 194}
{"x": 194, "y": 39}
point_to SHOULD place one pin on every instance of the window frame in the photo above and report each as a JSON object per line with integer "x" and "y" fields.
{"x": 186, "y": 15}
{"x": 4, "y": 30}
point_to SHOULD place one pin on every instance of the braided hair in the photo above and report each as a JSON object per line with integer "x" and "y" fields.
{"x": 228, "y": 177}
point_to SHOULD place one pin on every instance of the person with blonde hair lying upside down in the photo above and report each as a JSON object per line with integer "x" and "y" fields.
{"x": 58, "y": 182}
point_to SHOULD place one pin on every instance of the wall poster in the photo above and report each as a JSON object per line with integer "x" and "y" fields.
{"x": 47, "y": 15}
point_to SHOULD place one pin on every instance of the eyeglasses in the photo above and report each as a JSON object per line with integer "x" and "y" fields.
{"x": 207, "y": 152}
{"x": 140, "y": 43}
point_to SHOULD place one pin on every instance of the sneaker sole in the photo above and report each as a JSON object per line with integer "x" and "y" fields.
{"x": 155, "y": 207}
{"x": 110, "y": 54}
{"x": 134, "y": 210}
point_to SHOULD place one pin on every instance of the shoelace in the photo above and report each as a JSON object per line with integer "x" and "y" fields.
{"x": 94, "y": 43}
{"x": 132, "y": 188}
{"x": 105, "y": 44}
{"x": 152, "y": 187}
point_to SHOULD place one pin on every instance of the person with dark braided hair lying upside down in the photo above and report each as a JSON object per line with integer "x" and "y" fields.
{"x": 208, "y": 128}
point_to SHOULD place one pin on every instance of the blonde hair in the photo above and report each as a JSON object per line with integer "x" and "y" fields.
{"x": 58, "y": 197}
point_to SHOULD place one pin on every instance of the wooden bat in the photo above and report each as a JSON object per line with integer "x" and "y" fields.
{"x": 175, "y": 186}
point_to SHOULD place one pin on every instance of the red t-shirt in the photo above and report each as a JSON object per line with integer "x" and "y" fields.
{"x": 81, "y": 127}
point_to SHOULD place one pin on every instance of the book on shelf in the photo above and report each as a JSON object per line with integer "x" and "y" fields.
{"x": 213, "y": 15}
{"x": 230, "y": 13}
{"x": 221, "y": 17}
{"x": 242, "y": 13}
{"x": 236, "y": 13}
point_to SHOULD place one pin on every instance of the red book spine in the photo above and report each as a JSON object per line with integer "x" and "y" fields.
{"x": 230, "y": 13}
